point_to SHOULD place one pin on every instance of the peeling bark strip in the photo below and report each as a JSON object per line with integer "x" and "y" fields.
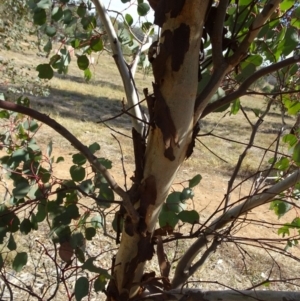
{"x": 145, "y": 252}
{"x": 175, "y": 45}
{"x": 165, "y": 50}
{"x": 162, "y": 7}
{"x": 148, "y": 196}
{"x": 163, "y": 119}
{"x": 181, "y": 44}
{"x": 139, "y": 147}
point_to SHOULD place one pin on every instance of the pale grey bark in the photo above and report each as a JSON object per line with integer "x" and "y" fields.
{"x": 125, "y": 72}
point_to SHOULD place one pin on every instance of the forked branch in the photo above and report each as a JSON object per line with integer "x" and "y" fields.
{"x": 204, "y": 97}
{"x": 242, "y": 90}
{"x": 186, "y": 268}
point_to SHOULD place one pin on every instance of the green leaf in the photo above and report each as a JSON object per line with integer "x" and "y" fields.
{"x": 195, "y": 181}
{"x": 39, "y": 16}
{"x": 41, "y": 212}
{"x": 286, "y": 4}
{"x": 187, "y": 193}
{"x": 45, "y": 4}
{"x": 34, "y": 222}
{"x": 14, "y": 223}
{"x": 89, "y": 22}
{"x": 57, "y": 13}
{"x": 83, "y": 62}
{"x": 289, "y": 43}
{"x": 11, "y": 243}
{"x": 173, "y": 202}
{"x": 87, "y": 186}
{"x": 296, "y": 153}
{"x": 189, "y": 216}
{"x": 68, "y": 17}
{"x": 100, "y": 283}
{"x": 81, "y": 10}
{"x": 143, "y": 9}
{"x": 280, "y": 207}
{"x": 290, "y": 139}
{"x": 21, "y": 190}
{"x": 129, "y": 19}
{"x": 79, "y": 159}
{"x": 19, "y": 261}
{"x": 77, "y": 240}
{"x": 256, "y": 112}
{"x": 105, "y": 162}
{"x": 50, "y": 31}
{"x": 45, "y": 71}
{"x": 25, "y": 226}
{"x": 146, "y": 26}
{"x": 282, "y": 164}
{"x": 60, "y": 159}
{"x": 235, "y": 107}
{"x": 255, "y": 59}
{"x": 77, "y": 173}
{"x": 94, "y": 147}
{"x": 97, "y": 221}
{"x": 168, "y": 218}
{"x": 30, "y": 125}
{"x": 90, "y": 233}
{"x": 106, "y": 193}
{"x": 4, "y": 114}
{"x": 292, "y": 106}
{"x": 96, "y": 44}
{"x": 87, "y": 74}
{"x": 81, "y": 288}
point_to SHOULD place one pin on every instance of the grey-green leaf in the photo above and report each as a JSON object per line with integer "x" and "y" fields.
{"x": 81, "y": 288}
{"x": 19, "y": 261}
{"x": 195, "y": 181}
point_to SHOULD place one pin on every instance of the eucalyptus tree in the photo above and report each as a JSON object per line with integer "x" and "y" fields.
{"x": 208, "y": 55}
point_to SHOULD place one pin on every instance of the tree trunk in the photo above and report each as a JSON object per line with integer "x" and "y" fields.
{"x": 175, "y": 88}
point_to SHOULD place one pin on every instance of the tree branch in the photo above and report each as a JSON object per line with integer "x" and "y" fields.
{"x": 217, "y": 34}
{"x": 80, "y": 147}
{"x": 185, "y": 268}
{"x": 203, "y": 99}
{"x": 254, "y": 29}
{"x": 128, "y": 81}
{"x": 248, "y": 82}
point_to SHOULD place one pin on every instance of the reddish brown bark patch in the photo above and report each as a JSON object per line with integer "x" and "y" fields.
{"x": 165, "y": 50}
{"x": 162, "y": 7}
{"x": 181, "y": 44}
{"x": 163, "y": 119}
